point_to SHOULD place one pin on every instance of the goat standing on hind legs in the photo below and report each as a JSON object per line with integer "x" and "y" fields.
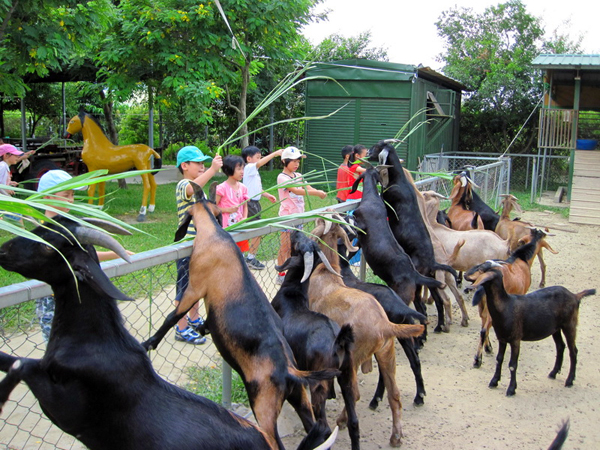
{"x": 99, "y": 153}
{"x": 95, "y": 381}
{"x": 317, "y": 341}
{"x": 532, "y": 317}
{"x": 244, "y": 326}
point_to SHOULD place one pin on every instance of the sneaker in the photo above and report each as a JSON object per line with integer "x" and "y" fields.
{"x": 255, "y": 264}
{"x": 195, "y": 324}
{"x": 189, "y": 335}
{"x": 279, "y": 279}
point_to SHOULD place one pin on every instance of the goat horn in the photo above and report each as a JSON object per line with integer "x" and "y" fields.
{"x": 108, "y": 226}
{"x": 325, "y": 261}
{"x": 391, "y": 141}
{"x": 383, "y": 156}
{"x": 330, "y": 440}
{"x": 87, "y": 235}
{"x": 327, "y": 227}
{"x": 472, "y": 182}
{"x": 309, "y": 262}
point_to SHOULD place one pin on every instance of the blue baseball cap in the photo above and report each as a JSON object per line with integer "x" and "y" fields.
{"x": 191, "y": 154}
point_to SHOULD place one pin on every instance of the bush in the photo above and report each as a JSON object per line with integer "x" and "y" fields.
{"x": 170, "y": 153}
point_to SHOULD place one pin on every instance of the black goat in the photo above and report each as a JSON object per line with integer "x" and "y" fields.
{"x": 244, "y": 326}
{"x": 531, "y": 317}
{"x": 397, "y": 312}
{"x": 317, "y": 341}
{"x": 95, "y": 381}
{"x": 381, "y": 250}
{"x": 408, "y": 227}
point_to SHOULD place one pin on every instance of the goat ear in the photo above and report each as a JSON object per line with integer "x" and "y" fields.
{"x": 89, "y": 270}
{"x": 182, "y": 230}
{"x": 478, "y": 295}
{"x": 548, "y": 247}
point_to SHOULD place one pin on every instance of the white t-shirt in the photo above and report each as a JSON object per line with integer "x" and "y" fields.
{"x": 4, "y": 175}
{"x": 252, "y": 181}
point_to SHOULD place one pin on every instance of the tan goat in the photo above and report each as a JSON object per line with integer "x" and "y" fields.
{"x": 374, "y": 333}
{"x": 515, "y": 230}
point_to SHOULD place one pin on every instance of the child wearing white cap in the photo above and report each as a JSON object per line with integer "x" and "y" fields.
{"x": 45, "y": 305}
{"x": 292, "y": 198}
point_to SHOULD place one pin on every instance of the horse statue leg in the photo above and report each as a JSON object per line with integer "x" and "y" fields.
{"x": 101, "y": 194}
{"x": 149, "y": 188}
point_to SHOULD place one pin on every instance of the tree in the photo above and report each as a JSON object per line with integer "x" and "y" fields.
{"x": 337, "y": 47}
{"x": 50, "y": 36}
{"x": 491, "y": 53}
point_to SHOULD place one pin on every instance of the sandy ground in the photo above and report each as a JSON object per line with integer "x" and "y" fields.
{"x": 460, "y": 411}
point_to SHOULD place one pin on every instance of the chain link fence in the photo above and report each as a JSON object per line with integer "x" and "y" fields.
{"x": 151, "y": 280}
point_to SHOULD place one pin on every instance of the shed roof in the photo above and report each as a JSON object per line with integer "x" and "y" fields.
{"x": 366, "y": 69}
{"x": 567, "y": 61}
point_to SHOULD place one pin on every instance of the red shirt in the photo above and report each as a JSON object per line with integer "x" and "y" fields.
{"x": 343, "y": 173}
{"x": 351, "y": 180}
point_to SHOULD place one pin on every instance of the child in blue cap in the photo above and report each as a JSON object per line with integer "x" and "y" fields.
{"x": 191, "y": 163}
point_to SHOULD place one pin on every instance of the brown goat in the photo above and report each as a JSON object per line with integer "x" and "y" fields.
{"x": 517, "y": 280}
{"x": 244, "y": 326}
{"x": 516, "y": 230}
{"x": 461, "y": 218}
{"x": 374, "y": 333}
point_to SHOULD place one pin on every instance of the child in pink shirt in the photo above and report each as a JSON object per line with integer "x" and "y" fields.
{"x": 232, "y": 195}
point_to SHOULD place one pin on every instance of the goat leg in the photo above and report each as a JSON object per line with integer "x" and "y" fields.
{"x": 515, "y": 348}
{"x": 10, "y": 381}
{"x": 439, "y": 304}
{"x": 6, "y": 361}
{"x": 379, "y": 391}
{"x": 408, "y": 345}
{"x": 499, "y": 360}
{"x": 349, "y": 387}
{"x": 560, "y": 350}
{"x": 573, "y": 357}
{"x": 168, "y": 324}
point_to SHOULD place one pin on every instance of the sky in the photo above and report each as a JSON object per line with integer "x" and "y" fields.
{"x": 407, "y": 28}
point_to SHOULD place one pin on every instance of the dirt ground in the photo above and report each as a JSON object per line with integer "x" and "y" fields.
{"x": 460, "y": 411}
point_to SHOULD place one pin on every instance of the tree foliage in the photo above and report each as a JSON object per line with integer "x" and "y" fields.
{"x": 337, "y": 47}
{"x": 491, "y": 53}
{"x": 39, "y": 37}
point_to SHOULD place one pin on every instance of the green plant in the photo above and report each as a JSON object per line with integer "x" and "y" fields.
{"x": 170, "y": 153}
{"x": 207, "y": 382}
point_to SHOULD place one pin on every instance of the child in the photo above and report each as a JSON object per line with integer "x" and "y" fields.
{"x": 9, "y": 155}
{"x": 253, "y": 159}
{"x": 354, "y": 170}
{"x": 341, "y": 184}
{"x": 232, "y": 195}
{"x": 190, "y": 162}
{"x": 292, "y": 198}
{"x": 45, "y": 305}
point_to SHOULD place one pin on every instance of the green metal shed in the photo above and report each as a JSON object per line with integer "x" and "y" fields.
{"x": 377, "y": 99}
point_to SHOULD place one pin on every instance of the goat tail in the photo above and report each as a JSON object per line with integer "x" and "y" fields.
{"x": 585, "y": 293}
{"x": 446, "y": 268}
{"x": 404, "y": 331}
{"x": 305, "y": 376}
{"x": 344, "y": 340}
{"x": 429, "y": 282}
{"x": 561, "y": 437}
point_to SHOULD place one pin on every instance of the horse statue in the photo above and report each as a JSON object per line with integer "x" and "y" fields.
{"x": 100, "y": 153}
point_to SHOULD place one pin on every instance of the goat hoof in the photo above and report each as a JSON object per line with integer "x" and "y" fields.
{"x": 510, "y": 392}
{"x": 464, "y": 323}
{"x": 396, "y": 440}
{"x": 488, "y": 349}
{"x": 374, "y": 404}
{"x": 569, "y": 383}
{"x": 552, "y": 375}
{"x": 493, "y": 384}
{"x": 419, "y": 400}
{"x": 477, "y": 363}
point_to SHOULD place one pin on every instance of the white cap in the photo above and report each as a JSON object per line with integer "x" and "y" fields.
{"x": 54, "y": 177}
{"x": 292, "y": 153}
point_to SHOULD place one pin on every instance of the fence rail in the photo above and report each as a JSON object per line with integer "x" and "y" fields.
{"x": 150, "y": 279}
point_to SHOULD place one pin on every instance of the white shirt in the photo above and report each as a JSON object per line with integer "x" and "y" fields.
{"x": 252, "y": 181}
{"x": 4, "y": 175}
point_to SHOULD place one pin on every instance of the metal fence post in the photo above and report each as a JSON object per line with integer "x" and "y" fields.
{"x": 226, "y": 377}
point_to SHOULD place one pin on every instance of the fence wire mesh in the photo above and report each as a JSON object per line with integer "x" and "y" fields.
{"x": 151, "y": 281}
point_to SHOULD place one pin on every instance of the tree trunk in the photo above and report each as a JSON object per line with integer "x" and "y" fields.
{"x": 242, "y": 114}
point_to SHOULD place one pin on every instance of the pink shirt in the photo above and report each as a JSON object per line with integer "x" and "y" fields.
{"x": 290, "y": 203}
{"x": 232, "y": 197}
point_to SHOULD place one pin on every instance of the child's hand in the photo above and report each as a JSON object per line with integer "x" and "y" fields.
{"x": 271, "y": 198}
{"x": 321, "y": 194}
{"x": 278, "y": 152}
{"x": 217, "y": 163}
